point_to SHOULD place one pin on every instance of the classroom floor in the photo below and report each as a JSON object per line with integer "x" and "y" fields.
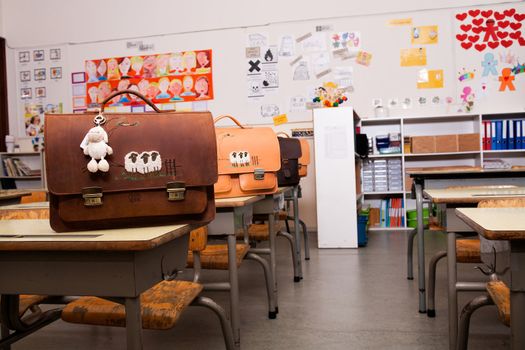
{"x": 349, "y": 299}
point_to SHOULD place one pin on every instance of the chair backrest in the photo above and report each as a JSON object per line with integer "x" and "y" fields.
{"x": 38, "y": 196}
{"x": 198, "y": 239}
{"x": 503, "y": 203}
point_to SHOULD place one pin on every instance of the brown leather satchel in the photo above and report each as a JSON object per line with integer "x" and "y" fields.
{"x": 304, "y": 160}
{"x": 248, "y": 160}
{"x": 288, "y": 175}
{"x": 161, "y": 171}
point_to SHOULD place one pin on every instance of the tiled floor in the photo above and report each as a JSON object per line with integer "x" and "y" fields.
{"x": 349, "y": 299}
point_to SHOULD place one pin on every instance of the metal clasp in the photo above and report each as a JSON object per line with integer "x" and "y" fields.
{"x": 176, "y": 190}
{"x": 258, "y": 174}
{"x": 92, "y": 196}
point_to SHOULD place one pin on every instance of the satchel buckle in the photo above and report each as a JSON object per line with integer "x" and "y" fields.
{"x": 176, "y": 190}
{"x": 92, "y": 196}
{"x": 258, "y": 174}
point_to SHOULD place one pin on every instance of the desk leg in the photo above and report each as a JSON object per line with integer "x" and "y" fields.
{"x": 234, "y": 290}
{"x": 517, "y": 295}
{"x": 297, "y": 233}
{"x": 273, "y": 262}
{"x": 420, "y": 248}
{"x": 452, "y": 291}
{"x": 5, "y": 333}
{"x": 133, "y": 324}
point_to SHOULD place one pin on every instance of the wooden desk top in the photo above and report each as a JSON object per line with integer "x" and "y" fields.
{"x": 30, "y": 235}
{"x": 473, "y": 195}
{"x": 465, "y": 172}
{"x": 495, "y": 223}
{"x": 11, "y": 194}
{"x": 237, "y": 201}
{"x": 26, "y": 206}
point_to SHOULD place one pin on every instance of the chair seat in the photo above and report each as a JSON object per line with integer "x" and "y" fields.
{"x": 283, "y": 215}
{"x": 161, "y": 307}
{"x": 259, "y": 232}
{"x": 27, "y": 301}
{"x": 500, "y": 294}
{"x": 215, "y": 257}
{"x": 468, "y": 251}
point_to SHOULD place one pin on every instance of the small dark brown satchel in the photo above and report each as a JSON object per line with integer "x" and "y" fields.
{"x": 288, "y": 175}
{"x": 161, "y": 171}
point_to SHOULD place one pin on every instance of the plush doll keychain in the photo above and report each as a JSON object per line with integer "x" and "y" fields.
{"x": 95, "y": 145}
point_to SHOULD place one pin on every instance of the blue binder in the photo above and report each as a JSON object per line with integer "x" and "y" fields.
{"x": 504, "y": 134}
{"x": 494, "y": 143}
{"x": 511, "y": 133}
{"x": 517, "y": 133}
{"x": 499, "y": 134}
{"x": 522, "y": 128}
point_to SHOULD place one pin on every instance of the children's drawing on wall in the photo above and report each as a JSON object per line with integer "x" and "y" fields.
{"x": 320, "y": 61}
{"x": 286, "y": 46}
{"x": 489, "y": 29}
{"x": 345, "y": 40}
{"x": 465, "y": 75}
{"x": 489, "y": 65}
{"x": 269, "y": 110}
{"x": 344, "y": 77}
{"x": 254, "y": 87}
{"x": 163, "y": 78}
{"x": 430, "y": 79}
{"x": 301, "y": 71}
{"x": 424, "y": 35}
{"x": 467, "y": 98}
{"x": 506, "y": 80}
{"x": 297, "y": 104}
{"x": 315, "y": 42}
{"x": 413, "y": 57}
{"x": 363, "y": 58}
{"x": 406, "y": 103}
{"x": 257, "y": 39}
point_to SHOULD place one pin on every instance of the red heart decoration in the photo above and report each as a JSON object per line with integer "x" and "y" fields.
{"x": 515, "y": 26}
{"x": 521, "y": 41}
{"x": 465, "y": 27}
{"x": 480, "y": 47}
{"x": 466, "y": 45}
{"x": 499, "y": 16}
{"x": 461, "y": 37}
{"x": 502, "y": 35}
{"x": 477, "y": 21}
{"x": 514, "y": 35}
{"x": 493, "y": 44}
{"x": 503, "y": 24}
{"x": 477, "y": 30}
{"x": 486, "y": 14}
{"x": 506, "y": 43}
{"x": 474, "y": 13}
{"x": 461, "y": 16}
{"x": 519, "y": 17}
{"x": 473, "y": 38}
{"x": 509, "y": 12}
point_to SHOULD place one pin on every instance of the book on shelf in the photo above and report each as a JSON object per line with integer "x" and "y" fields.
{"x": 15, "y": 167}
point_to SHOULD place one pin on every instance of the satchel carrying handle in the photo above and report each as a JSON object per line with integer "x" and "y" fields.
{"x": 283, "y": 133}
{"x": 133, "y": 92}
{"x": 231, "y": 118}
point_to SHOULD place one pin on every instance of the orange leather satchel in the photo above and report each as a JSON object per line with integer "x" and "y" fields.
{"x": 304, "y": 160}
{"x": 248, "y": 160}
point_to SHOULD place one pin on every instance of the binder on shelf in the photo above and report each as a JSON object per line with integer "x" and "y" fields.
{"x": 494, "y": 144}
{"x": 511, "y": 144}
{"x": 499, "y": 134}
{"x": 484, "y": 137}
{"x": 504, "y": 135}
{"x": 489, "y": 135}
{"x": 522, "y": 128}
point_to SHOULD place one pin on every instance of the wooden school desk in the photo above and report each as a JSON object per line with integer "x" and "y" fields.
{"x": 460, "y": 197}
{"x": 120, "y": 263}
{"x": 506, "y": 224}
{"x": 442, "y": 178}
{"x": 8, "y": 197}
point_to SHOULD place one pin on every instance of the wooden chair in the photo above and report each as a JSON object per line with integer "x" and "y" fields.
{"x": 161, "y": 305}
{"x": 37, "y": 196}
{"x": 498, "y": 291}
{"x": 468, "y": 250}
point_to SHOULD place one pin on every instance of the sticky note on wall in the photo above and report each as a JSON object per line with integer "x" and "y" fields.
{"x": 430, "y": 79}
{"x": 280, "y": 119}
{"x": 413, "y": 57}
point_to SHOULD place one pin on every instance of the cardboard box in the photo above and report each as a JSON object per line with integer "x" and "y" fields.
{"x": 446, "y": 143}
{"x": 468, "y": 142}
{"x": 423, "y": 144}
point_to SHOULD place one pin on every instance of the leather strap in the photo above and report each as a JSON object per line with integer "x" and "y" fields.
{"x": 231, "y": 118}
{"x": 283, "y": 133}
{"x": 132, "y": 92}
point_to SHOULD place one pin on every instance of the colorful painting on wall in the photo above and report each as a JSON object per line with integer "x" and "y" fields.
{"x": 163, "y": 78}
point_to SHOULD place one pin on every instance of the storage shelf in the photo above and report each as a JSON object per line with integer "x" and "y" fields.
{"x": 505, "y": 151}
{"x": 21, "y": 177}
{"x": 440, "y": 154}
{"x": 386, "y": 155}
{"x": 439, "y": 117}
{"x": 383, "y": 193}
{"x": 14, "y": 154}
{"x": 380, "y": 120}
{"x": 378, "y": 228}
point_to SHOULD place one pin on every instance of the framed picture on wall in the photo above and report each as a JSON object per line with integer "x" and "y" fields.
{"x": 79, "y": 102}
{"x": 54, "y": 54}
{"x": 40, "y": 74}
{"x": 38, "y": 55}
{"x": 56, "y": 72}
{"x": 24, "y": 56}
{"x": 40, "y": 92}
{"x": 25, "y": 75}
{"x": 138, "y": 109}
{"x": 79, "y": 90}
{"x": 78, "y": 77}
{"x": 25, "y": 93}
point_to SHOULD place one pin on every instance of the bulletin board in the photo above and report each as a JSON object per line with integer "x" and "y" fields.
{"x": 412, "y": 63}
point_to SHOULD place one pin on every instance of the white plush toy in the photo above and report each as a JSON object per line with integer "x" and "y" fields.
{"x": 95, "y": 145}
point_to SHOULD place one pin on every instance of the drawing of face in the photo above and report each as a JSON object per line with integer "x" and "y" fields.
{"x": 152, "y": 91}
{"x": 187, "y": 83}
{"x": 201, "y": 86}
{"x": 93, "y": 92}
{"x": 91, "y": 70}
{"x": 149, "y": 66}
{"x": 202, "y": 59}
{"x": 102, "y": 68}
{"x": 104, "y": 90}
{"x": 175, "y": 62}
{"x": 143, "y": 86}
{"x": 123, "y": 84}
{"x": 189, "y": 61}
{"x": 162, "y": 64}
{"x": 133, "y": 88}
{"x": 164, "y": 84}
{"x": 136, "y": 64}
{"x": 124, "y": 66}
{"x": 175, "y": 87}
